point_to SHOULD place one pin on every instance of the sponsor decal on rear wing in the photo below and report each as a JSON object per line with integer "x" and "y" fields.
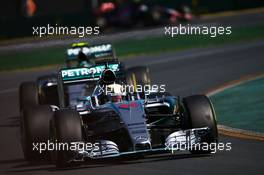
{"x": 85, "y": 74}
{"x": 97, "y": 51}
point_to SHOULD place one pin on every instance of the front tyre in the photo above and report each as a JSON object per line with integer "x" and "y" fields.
{"x": 66, "y": 127}
{"x": 199, "y": 112}
{"x": 35, "y": 130}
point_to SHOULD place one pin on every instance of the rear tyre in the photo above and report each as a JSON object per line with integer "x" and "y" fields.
{"x": 138, "y": 76}
{"x": 35, "y": 129}
{"x": 48, "y": 94}
{"x": 66, "y": 128}
{"x": 28, "y": 95}
{"x": 199, "y": 112}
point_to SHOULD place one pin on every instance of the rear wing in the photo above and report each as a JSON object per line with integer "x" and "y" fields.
{"x": 76, "y": 75}
{"x": 80, "y": 75}
{"x": 101, "y": 51}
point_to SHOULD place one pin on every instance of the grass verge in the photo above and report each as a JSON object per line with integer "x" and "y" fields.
{"x": 241, "y": 106}
{"x": 125, "y": 48}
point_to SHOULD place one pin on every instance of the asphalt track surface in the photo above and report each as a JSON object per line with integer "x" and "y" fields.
{"x": 185, "y": 73}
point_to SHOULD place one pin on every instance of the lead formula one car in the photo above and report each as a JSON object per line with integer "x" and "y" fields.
{"x": 115, "y": 123}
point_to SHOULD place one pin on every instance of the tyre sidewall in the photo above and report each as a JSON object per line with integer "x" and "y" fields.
{"x": 35, "y": 129}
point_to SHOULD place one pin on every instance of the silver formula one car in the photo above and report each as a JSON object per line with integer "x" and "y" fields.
{"x": 43, "y": 91}
{"x": 116, "y": 123}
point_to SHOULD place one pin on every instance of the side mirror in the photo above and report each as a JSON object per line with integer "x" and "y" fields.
{"x": 94, "y": 101}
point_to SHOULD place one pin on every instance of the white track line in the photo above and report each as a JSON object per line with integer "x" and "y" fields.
{"x": 8, "y": 91}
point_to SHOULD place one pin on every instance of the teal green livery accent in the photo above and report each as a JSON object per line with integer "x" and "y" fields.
{"x": 86, "y": 72}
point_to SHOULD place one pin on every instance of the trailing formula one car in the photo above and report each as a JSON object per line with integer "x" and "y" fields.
{"x": 44, "y": 89}
{"x": 114, "y": 122}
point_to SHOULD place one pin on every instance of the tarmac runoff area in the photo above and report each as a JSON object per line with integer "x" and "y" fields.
{"x": 239, "y": 107}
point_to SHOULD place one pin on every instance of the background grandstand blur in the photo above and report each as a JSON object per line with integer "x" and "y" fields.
{"x": 23, "y": 14}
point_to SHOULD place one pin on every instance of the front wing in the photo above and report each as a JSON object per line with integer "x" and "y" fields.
{"x": 182, "y": 140}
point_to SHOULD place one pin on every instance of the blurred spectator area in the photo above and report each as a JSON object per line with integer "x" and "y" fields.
{"x": 211, "y": 6}
{"x": 23, "y": 14}
{"x": 17, "y": 8}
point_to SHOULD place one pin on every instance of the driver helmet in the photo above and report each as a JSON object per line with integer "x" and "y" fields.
{"x": 115, "y": 93}
{"x": 84, "y": 60}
